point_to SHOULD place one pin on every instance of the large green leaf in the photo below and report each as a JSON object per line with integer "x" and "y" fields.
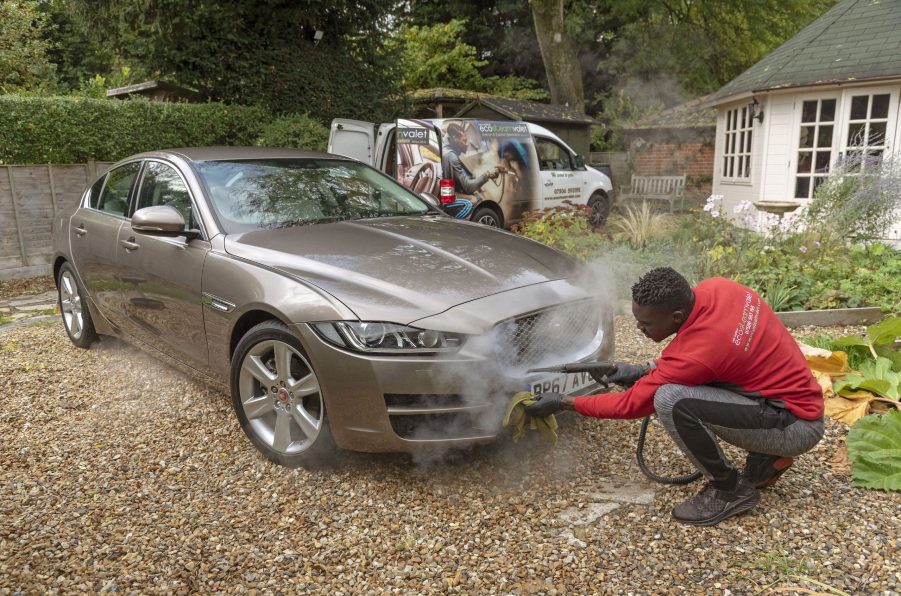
{"x": 885, "y": 332}
{"x": 874, "y": 445}
{"x": 876, "y": 377}
{"x": 892, "y": 354}
{"x": 851, "y": 340}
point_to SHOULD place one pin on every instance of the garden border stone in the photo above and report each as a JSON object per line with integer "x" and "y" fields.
{"x": 834, "y": 316}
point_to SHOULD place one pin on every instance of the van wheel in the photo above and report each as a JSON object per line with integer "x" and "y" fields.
{"x": 488, "y": 217}
{"x": 600, "y": 209}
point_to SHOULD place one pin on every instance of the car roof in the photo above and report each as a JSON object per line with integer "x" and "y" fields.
{"x": 233, "y": 153}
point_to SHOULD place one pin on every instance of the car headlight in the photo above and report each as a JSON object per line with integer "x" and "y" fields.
{"x": 386, "y": 338}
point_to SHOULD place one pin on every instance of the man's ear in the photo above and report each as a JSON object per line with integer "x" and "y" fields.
{"x": 679, "y": 316}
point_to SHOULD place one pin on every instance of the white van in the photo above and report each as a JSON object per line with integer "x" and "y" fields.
{"x": 488, "y": 171}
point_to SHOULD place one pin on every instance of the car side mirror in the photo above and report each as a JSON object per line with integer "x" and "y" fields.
{"x": 580, "y": 162}
{"x": 161, "y": 220}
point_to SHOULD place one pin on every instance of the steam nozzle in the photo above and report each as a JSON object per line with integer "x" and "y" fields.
{"x": 597, "y": 370}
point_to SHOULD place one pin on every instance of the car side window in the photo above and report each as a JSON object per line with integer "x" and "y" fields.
{"x": 552, "y": 156}
{"x": 114, "y": 198}
{"x": 94, "y": 193}
{"x": 162, "y": 185}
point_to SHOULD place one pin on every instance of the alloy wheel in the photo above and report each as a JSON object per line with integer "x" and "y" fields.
{"x": 70, "y": 304}
{"x": 281, "y": 397}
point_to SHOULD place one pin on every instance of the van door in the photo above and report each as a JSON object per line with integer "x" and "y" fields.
{"x": 417, "y": 156}
{"x": 560, "y": 180}
{"x": 353, "y": 139}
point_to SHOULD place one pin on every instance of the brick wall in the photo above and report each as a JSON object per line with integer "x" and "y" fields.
{"x": 675, "y": 152}
{"x": 694, "y": 159}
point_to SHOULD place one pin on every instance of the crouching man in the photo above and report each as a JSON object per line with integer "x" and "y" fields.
{"x": 732, "y": 372}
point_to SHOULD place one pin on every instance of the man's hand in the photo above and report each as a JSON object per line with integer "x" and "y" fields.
{"x": 625, "y": 374}
{"x": 545, "y": 405}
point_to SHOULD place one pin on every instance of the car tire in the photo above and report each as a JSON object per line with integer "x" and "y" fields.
{"x": 277, "y": 397}
{"x": 488, "y": 217}
{"x": 600, "y": 209}
{"x": 76, "y": 316}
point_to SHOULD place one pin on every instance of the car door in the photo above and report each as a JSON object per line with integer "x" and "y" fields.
{"x": 93, "y": 234}
{"x": 560, "y": 180}
{"x": 163, "y": 274}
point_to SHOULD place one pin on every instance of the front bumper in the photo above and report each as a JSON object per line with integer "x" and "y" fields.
{"x": 404, "y": 404}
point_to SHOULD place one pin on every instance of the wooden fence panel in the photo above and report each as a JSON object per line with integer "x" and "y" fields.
{"x": 30, "y": 199}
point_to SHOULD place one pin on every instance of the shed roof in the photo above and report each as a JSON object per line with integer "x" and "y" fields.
{"x": 517, "y": 109}
{"x": 854, "y": 40}
{"x": 695, "y": 113}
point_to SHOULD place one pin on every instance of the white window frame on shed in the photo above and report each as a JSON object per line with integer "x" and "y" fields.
{"x": 807, "y": 143}
{"x": 890, "y": 120}
{"x": 737, "y": 145}
{"x": 839, "y": 146}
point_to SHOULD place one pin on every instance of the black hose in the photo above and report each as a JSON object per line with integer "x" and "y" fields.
{"x": 639, "y": 453}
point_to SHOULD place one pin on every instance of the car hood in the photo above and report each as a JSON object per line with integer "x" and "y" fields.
{"x": 405, "y": 268}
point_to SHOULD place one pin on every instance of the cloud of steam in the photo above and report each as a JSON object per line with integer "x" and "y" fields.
{"x": 490, "y": 382}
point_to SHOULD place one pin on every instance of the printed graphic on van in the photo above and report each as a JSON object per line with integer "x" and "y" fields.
{"x": 418, "y": 156}
{"x": 493, "y": 166}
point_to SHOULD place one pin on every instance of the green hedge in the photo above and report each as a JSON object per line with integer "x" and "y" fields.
{"x": 298, "y": 131}
{"x": 75, "y": 130}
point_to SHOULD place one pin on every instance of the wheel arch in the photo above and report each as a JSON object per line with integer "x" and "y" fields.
{"x": 489, "y": 205}
{"x": 57, "y": 265}
{"x": 248, "y": 321}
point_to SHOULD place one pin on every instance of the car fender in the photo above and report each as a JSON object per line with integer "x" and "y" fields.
{"x": 233, "y": 286}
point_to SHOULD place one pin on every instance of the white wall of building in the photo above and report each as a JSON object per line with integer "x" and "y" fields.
{"x": 775, "y": 141}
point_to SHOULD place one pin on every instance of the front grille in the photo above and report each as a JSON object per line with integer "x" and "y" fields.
{"x": 551, "y": 336}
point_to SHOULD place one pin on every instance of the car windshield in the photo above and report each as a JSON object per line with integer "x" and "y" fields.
{"x": 279, "y": 193}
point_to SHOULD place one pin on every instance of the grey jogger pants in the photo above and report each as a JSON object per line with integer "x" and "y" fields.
{"x": 695, "y": 416}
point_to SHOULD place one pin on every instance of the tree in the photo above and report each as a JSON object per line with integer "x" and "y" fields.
{"x": 263, "y": 53}
{"x": 23, "y": 49}
{"x": 561, "y": 64}
{"x": 436, "y": 56}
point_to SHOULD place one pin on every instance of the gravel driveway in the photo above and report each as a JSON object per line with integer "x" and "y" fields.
{"x": 121, "y": 474}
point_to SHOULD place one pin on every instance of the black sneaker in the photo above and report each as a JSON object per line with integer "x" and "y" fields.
{"x": 712, "y": 505}
{"x": 763, "y": 470}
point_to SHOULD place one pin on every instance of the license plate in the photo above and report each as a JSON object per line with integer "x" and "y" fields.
{"x": 565, "y": 383}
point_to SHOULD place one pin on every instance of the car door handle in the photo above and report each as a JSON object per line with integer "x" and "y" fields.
{"x": 130, "y": 244}
{"x": 80, "y": 231}
{"x": 548, "y": 183}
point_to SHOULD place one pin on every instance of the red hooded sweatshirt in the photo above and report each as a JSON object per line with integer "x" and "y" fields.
{"x": 731, "y": 339}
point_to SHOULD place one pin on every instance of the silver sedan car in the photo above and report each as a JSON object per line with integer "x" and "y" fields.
{"x": 337, "y": 308}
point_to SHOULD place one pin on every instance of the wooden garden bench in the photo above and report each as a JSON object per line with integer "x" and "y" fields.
{"x": 659, "y": 188}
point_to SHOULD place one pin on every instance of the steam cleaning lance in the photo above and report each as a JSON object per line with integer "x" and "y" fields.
{"x": 599, "y": 371}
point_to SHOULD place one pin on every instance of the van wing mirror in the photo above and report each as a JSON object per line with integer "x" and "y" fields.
{"x": 580, "y": 162}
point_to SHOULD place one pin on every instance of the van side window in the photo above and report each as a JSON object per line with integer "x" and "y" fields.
{"x": 552, "y": 156}
{"x": 114, "y": 199}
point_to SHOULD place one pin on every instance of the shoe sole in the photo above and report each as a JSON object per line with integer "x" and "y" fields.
{"x": 780, "y": 465}
{"x": 733, "y": 509}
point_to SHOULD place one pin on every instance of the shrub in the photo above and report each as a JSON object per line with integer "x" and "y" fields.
{"x": 860, "y": 199}
{"x": 298, "y": 131}
{"x": 565, "y": 227}
{"x": 639, "y": 225}
{"x": 78, "y": 129}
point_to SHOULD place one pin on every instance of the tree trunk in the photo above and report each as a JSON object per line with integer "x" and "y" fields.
{"x": 561, "y": 64}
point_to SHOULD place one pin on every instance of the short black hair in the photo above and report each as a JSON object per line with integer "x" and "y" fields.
{"x": 662, "y": 287}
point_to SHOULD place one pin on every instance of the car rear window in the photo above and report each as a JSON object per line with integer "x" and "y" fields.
{"x": 277, "y": 193}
